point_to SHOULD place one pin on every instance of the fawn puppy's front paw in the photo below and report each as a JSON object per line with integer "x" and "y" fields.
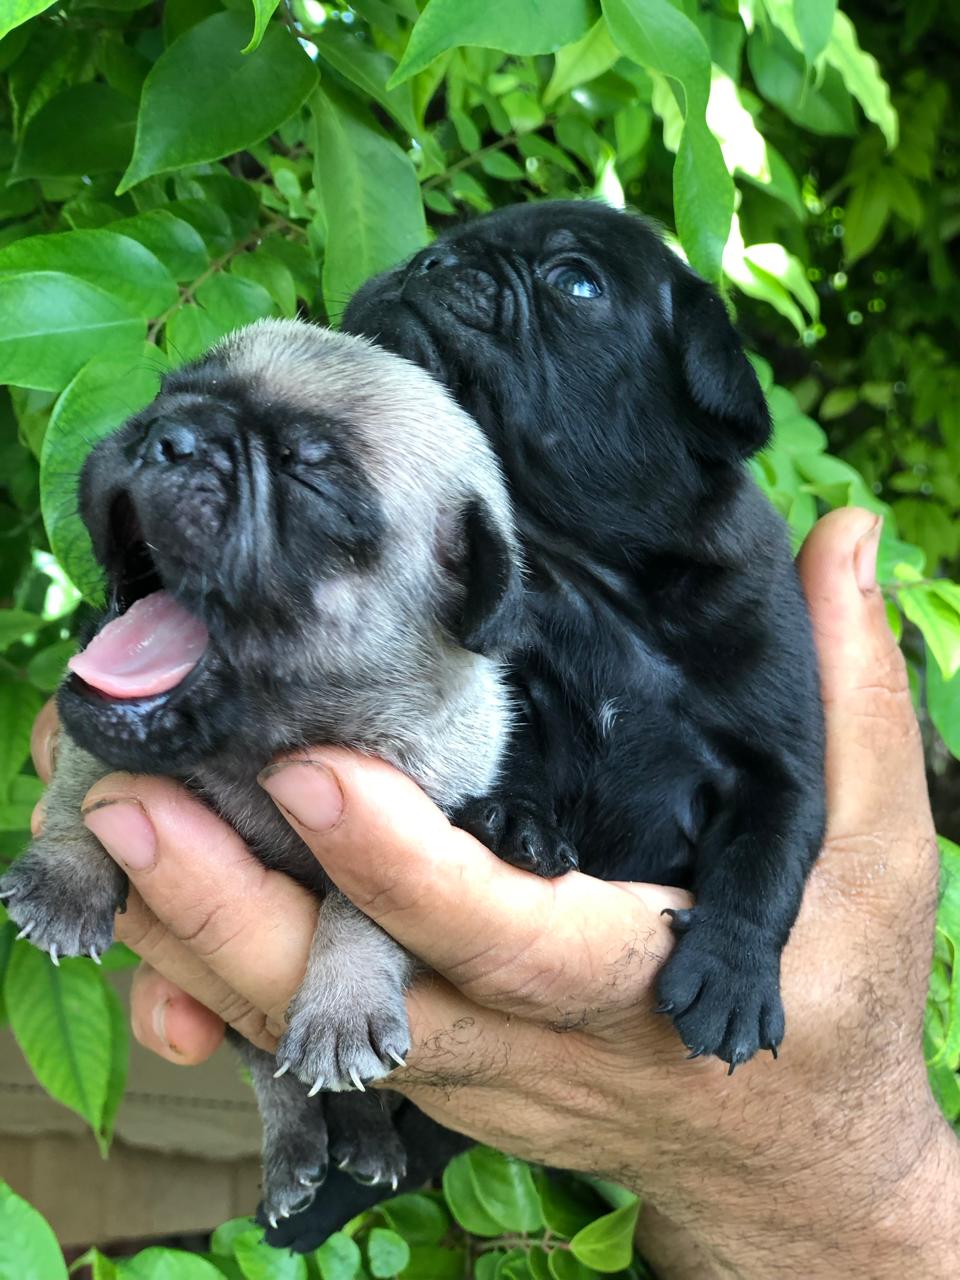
{"x": 63, "y": 907}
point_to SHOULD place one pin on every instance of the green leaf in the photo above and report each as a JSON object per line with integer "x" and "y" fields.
{"x": 513, "y": 26}
{"x": 661, "y": 38}
{"x": 113, "y": 262}
{"x": 943, "y": 703}
{"x": 222, "y": 1240}
{"x": 368, "y": 69}
{"x": 939, "y": 621}
{"x": 338, "y": 1258}
{"x": 814, "y": 23}
{"x": 119, "y": 1062}
{"x": 263, "y": 11}
{"x": 271, "y": 275}
{"x": 459, "y": 1188}
{"x": 370, "y": 195}
{"x": 51, "y": 324}
{"x": 19, "y": 704}
{"x": 46, "y": 669}
{"x": 865, "y": 217}
{"x": 505, "y": 1188}
{"x": 781, "y": 75}
{"x": 62, "y": 1023}
{"x": 87, "y": 129}
{"x": 861, "y": 74}
{"x": 177, "y": 244}
{"x": 564, "y": 1266}
{"x": 28, "y": 1247}
{"x": 12, "y": 14}
{"x": 101, "y": 1267}
{"x": 182, "y": 122}
{"x": 420, "y": 1219}
{"x": 167, "y": 1264}
{"x": 487, "y": 1266}
{"x": 24, "y": 792}
{"x": 582, "y": 62}
{"x": 607, "y": 1244}
{"x": 98, "y": 400}
{"x": 387, "y": 1253}
{"x": 567, "y": 1204}
{"x": 15, "y": 624}
{"x": 258, "y": 1261}
{"x": 429, "y": 1262}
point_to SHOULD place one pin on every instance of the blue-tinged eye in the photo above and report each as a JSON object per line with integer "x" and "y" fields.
{"x": 575, "y": 281}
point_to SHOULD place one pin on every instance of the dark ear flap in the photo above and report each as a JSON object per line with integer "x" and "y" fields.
{"x": 719, "y": 377}
{"x": 488, "y": 615}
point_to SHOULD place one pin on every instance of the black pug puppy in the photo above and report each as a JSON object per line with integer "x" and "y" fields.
{"x": 671, "y": 719}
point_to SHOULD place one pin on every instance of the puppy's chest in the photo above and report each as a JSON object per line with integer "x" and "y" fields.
{"x": 241, "y": 801}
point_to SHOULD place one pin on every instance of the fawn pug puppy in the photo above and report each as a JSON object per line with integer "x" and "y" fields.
{"x": 305, "y": 540}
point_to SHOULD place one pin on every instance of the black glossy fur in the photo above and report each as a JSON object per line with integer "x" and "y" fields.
{"x": 673, "y": 727}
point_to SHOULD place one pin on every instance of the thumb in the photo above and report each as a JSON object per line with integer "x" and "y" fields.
{"x": 876, "y": 788}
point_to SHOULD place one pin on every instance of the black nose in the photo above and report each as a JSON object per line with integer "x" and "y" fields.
{"x": 170, "y": 442}
{"x": 438, "y": 255}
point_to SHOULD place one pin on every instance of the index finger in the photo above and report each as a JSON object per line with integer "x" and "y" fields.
{"x": 545, "y": 949}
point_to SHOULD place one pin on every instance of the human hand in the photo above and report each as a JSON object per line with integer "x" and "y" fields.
{"x": 538, "y": 1034}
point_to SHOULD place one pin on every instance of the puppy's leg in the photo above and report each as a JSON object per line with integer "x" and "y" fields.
{"x": 348, "y": 1021}
{"x": 294, "y": 1152}
{"x": 64, "y": 891}
{"x": 516, "y": 819}
{"x": 721, "y": 983}
{"x": 363, "y": 1141}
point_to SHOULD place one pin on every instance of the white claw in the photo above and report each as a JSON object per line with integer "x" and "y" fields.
{"x": 357, "y": 1082}
{"x": 281, "y": 1071}
{"x": 272, "y": 1219}
{"x": 394, "y": 1182}
{"x": 401, "y": 1062}
{"x": 55, "y": 955}
{"x": 25, "y": 931}
{"x": 306, "y": 1182}
{"x": 95, "y": 956}
{"x": 284, "y": 1213}
{"x": 7, "y": 893}
{"x": 343, "y": 1164}
{"x": 318, "y": 1085}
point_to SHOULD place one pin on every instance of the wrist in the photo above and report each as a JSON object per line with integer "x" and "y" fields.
{"x": 880, "y": 1210}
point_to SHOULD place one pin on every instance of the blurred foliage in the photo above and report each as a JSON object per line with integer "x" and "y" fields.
{"x": 171, "y": 170}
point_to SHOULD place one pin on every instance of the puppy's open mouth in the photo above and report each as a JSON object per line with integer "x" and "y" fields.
{"x": 155, "y": 642}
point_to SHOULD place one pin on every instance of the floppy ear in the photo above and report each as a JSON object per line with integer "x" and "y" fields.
{"x": 718, "y": 375}
{"x": 488, "y": 615}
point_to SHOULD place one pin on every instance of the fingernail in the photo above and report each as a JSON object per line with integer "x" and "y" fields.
{"x": 865, "y": 557}
{"x": 125, "y": 831}
{"x": 307, "y": 790}
{"x": 159, "y": 1020}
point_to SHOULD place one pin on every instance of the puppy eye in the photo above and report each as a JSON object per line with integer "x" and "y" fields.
{"x": 308, "y": 453}
{"x": 575, "y": 281}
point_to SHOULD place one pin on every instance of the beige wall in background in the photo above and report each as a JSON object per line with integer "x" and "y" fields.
{"x": 184, "y": 1158}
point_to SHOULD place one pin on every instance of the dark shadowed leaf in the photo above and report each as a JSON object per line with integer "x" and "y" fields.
{"x": 84, "y": 130}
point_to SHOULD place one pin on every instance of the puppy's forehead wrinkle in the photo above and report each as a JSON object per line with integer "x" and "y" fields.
{"x": 418, "y": 447}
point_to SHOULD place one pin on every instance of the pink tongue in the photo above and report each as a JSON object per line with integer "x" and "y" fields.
{"x": 147, "y": 650}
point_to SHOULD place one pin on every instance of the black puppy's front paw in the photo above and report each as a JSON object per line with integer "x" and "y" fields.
{"x": 520, "y": 833}
{"x": 722, "y": 991}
